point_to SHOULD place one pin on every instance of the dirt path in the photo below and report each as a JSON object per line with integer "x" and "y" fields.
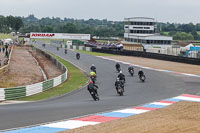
{"x": 49, "y": 68}
{"x": 182, "y": 117}
{"x": 23, "y": 69}
{"x": 159, "y": 64}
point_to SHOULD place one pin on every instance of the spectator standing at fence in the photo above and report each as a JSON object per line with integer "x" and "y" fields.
{"x": 6, "y": 47}
{"x": 0, "y": 49}
{"x": 6, "y": 54}
{"x": 3, "y": 49}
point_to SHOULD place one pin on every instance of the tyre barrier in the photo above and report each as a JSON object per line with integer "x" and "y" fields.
{"x": 28, "y": 90}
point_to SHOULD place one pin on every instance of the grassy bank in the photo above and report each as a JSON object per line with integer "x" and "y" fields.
{"x": 76, "y": 79}
{"x": 94, "y": 53}
{"x": 5, "y": 36}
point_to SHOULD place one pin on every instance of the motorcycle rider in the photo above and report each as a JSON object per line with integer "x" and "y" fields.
{"x": 117, "y": 66}
{"x": 93, "y": 68}
{"x": 121, "y": 76}
{"x": 77, "y": 55}
{"x": 130, "y": 68}
{"x": 65, "y": 51}
{"x": 93, "y": 74}
{"x": 140, "y": 73}
{"x": 92, "y": 88}
{"x": 120, "y": 83}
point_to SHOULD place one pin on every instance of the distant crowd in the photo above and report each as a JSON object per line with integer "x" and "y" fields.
{"x": 117, "y": 46}
{"x": 5, "y": 49}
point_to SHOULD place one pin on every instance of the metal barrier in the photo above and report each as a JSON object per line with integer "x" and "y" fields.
{"x": 194, "y": 61}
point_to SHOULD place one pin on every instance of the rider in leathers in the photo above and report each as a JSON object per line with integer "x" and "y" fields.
{"x": 92, "y": 87}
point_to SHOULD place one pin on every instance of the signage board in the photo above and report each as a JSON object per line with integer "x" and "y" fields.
{"x": 66, "y": 36}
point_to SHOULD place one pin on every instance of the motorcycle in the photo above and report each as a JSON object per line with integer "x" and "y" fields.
{"x": 118, "y": 69}
{"x": 120, "y": 90}
{"x": 94, "y": 96}
{"x": 65, "y": 51}
{"x": 43, "y": 45}
{"x": 77, "y": 56}
{"x": 142, "y": 78}
{"x": 57, "y": 48}
{"x": 131, "y": 72}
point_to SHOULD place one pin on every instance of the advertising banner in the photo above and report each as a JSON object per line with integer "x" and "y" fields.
{"x": 60, "y": 36}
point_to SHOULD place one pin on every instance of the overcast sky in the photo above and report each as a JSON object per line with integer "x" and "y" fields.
{"x": 181, "y": 11}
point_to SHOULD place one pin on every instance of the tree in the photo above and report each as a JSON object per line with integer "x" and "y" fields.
{"x": 70, "y": 28}
{"x": 183, "y": 36}
{"x": 18, "y": 24}
{"x": 48, "y": 28}
{"x": 195, "y": 35}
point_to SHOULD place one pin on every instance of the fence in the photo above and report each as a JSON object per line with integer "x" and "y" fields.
{"x": 180, "y": 59}
{"x": 5, "y": 67}
{"x": 23, "y": 91}
{"x": 83, "y": 48}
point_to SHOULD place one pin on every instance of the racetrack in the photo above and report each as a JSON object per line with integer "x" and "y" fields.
{"x": 159, "y": 85}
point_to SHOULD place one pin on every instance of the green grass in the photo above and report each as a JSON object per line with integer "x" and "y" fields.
{"x": 94, "y": 53}
{"x": 165, "y": 33}
{"x": 76, "y": 79}
{"x": 5, "y": 36}
{"x": 196, "y": 44}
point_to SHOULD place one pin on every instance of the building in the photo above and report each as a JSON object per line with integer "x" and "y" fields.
{"x": 143, "y": 31}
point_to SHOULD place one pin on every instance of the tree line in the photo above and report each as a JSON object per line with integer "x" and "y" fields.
{"x": 10, "y": 23}
{"x": 181, "y": 31}
{"x": 95, "y": 27}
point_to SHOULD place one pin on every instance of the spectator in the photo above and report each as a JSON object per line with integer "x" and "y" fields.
{"x": 3, "y": 49}
{"x": 6, "y": 46}
{"x": 6, "y": 54}
{"x": 0, "y": 50}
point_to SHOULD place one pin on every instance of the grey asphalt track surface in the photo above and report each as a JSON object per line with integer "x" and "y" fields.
{"x": 159, "y": 85}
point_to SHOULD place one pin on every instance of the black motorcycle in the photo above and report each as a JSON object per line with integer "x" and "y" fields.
{"x": 142, "y": 78}
{"x": 131, "y": 72}
{"x": 118, "y": 69}
{"x": 77, "y": 56}
{"x": 120, "y": 90}
{"x": 65, "y": 51}
{"x": 57, "y": 48}
{"x": 43, "y": 45}
{"x": 94, "y": 95}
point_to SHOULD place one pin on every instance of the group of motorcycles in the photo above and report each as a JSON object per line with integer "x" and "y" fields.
{"x": 120, "y": 81}
{"x": 93, "y": 76}
{"x": 141, "y": 75}
{"x": 77, "y": 54}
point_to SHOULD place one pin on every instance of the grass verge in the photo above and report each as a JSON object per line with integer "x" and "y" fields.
{"x": 76, "y": 79}
{"x": 94, "y": 53}
{"x": 5, "y": 36}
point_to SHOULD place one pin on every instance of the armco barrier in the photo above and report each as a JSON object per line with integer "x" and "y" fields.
{"x": 195, "y": 61}
{"x": 23, "y": 91}
{"x": 74, "y": 47}
{"x": 83, "y": 48}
